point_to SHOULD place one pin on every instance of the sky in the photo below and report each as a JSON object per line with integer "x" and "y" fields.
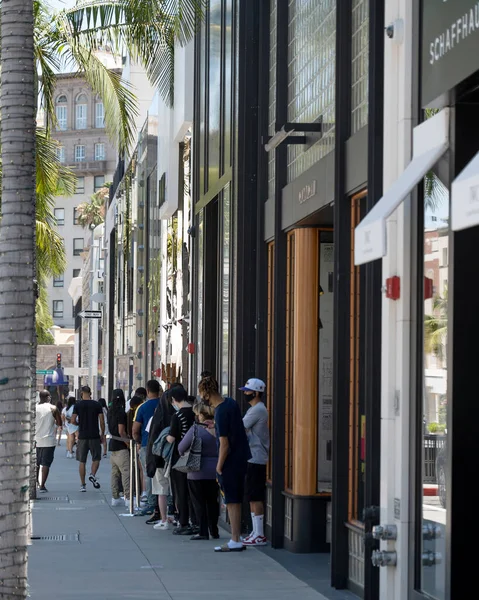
{"x": 58, "y": 4}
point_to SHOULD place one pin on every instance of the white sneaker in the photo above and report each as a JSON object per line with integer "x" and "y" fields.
{"x": 162, "y": 525}
{"x": 126, "y": 501}
{"x": 116, "y": 501}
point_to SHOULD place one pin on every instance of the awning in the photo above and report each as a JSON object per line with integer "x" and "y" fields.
{"x": 465, "y": 197}
{"x": 430, "y": 142}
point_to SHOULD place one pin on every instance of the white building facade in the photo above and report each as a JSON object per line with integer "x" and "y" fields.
{"x": 424, "y": 230}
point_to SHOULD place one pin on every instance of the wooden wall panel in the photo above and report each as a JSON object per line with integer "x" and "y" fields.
{"x": 306, "y": 350}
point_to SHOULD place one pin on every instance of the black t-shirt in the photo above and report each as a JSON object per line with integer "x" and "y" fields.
{"x": 181, "y": 422}
{"x": 88, "y": 412}
{"x": 229, "y": 424}
{"x": 113, "y": 421}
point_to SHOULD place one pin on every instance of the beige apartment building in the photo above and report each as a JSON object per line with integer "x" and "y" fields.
{"x": 86, "y": 149}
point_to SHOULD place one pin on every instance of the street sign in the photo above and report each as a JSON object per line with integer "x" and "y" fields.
{"x": 79, "y": 371}
{"x": 44, "y": 372}
{"x": 100, "y": 298}
{"x": 90, "y": 314}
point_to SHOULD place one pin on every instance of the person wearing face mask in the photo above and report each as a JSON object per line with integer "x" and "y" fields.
{"x": 233, "y": 456}
{"x": 180, "y": 424}
{"x": 256, "y": 424}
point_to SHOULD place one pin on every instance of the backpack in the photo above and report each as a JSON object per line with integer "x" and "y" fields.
{"x": 161, "y": 447}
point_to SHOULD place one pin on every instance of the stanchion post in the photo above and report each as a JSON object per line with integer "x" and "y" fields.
{"x": 137, "y": 479}
{"x": 132, "y": 482}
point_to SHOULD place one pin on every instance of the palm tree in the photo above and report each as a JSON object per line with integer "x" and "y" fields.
{"x": 93, "y": 212}
{"x": 17, "y": 288}
{"x": 435, "y": 327}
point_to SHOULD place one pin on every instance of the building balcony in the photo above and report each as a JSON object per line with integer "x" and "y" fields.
{"x": 88, "y": 167}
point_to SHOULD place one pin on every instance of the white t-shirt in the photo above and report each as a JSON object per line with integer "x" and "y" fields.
{"x": 68, "y": 414}
{"x": 46, "y": 426}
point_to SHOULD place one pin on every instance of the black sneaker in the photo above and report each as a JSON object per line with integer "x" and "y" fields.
{"x": 183, "y": 531}
{"x": 154, "y": 519}
{"x": 95, "y": 482}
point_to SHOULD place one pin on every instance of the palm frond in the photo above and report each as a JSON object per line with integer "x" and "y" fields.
{"x": 120, "y": 103}
{"x": 53, "y": 178}
{"x": 50, "y": 250}
{"x": 147, "y": 29}
{"x": 48, "y": 63}
{"x": 43, "y": 317}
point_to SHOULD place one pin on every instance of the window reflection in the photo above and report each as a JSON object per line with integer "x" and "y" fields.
{"x": 434, "y": 404}
{"x": 225, "y": 289}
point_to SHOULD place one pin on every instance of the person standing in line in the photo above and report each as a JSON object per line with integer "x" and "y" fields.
{"x": 88, "y": 414}
{"x": 104, "y": 408}
{"x": 256, "y": 424}
{"x": 48, "y": 418}
{"x": 202, "y": 484}
{"x": 181, "y": 422}
{"x": 233, "y": 456}
{"x": 140, "y": 434}
{"x": 156, "y": 464}
{"x": 119, "y": 451}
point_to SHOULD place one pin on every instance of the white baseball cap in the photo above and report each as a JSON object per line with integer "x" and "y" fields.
{"x": 254, "y": 385}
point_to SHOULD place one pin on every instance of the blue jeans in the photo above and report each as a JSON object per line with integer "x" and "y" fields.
{"x": 152, "y": 500}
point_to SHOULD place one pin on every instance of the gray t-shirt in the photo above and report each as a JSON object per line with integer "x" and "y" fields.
{"x": 256, "y": 425}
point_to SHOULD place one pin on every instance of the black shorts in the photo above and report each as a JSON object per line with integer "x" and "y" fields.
{"x": 255, "y": 482}
{"x": 232, "y": 484}
{"x": 45, "y": 456}
{"x": 92, "y": 446}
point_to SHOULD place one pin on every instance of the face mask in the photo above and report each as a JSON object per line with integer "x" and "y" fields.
{"x": 177, "y": 408}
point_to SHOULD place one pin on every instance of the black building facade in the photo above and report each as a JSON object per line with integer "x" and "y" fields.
{"x": 287, "y": 157}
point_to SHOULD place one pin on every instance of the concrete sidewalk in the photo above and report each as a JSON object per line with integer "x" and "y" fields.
{"x": 122, "y": 557}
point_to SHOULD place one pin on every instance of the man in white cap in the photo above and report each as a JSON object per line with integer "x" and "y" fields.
{"x": 257, "y": 430}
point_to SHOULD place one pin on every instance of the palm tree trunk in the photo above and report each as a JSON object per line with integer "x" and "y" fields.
{"x": 17, "y": 301}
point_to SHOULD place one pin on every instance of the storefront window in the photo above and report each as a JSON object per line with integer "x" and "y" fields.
{"x": 311, "y": 77}
{"x": 270, "y": 350}
{"x": 359, "y": 64}
{"x": 289, "y": 383}
{"x": 433, "y": 510}
{"x": 214, "y": 113}
{"x": 325, "y": 384}
{"x": 225, "y": 290}
{"x": 358, "y": 348}
{"x": 272, "y": 94}
{"x": 200, "y": 292}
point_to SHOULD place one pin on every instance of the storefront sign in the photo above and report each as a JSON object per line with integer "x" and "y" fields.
{"x": 450, "y": 42}
{"x": 307, "y": 192}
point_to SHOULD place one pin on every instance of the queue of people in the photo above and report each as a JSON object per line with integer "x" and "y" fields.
{"x": 194, "y": 453}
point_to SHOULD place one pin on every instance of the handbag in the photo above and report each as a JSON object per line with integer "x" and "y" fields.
{"x": 190, "y": 462}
